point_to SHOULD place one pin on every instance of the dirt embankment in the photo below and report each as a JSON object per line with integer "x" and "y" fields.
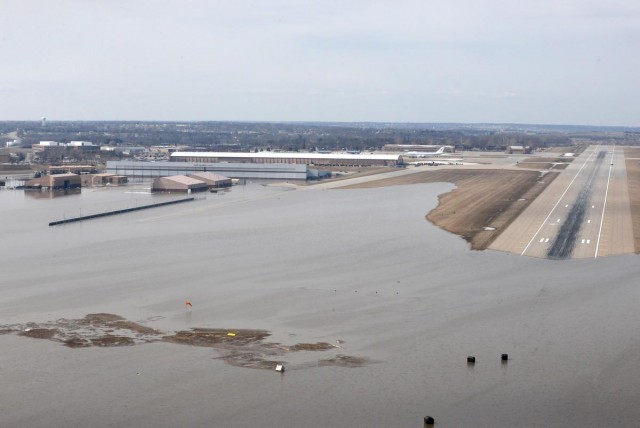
{"x": 632, "y": 163}
{"x": 484, "y": 203}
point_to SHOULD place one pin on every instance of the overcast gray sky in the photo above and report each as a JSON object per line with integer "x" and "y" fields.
{"x": 525, "y": 61}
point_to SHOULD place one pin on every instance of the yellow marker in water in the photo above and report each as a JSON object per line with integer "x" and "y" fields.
{"x": 231, "y": 334}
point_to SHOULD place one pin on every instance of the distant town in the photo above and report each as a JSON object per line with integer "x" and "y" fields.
{"x": 116, "y": 150}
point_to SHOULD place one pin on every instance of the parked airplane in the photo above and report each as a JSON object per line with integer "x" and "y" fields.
{"x": 440, "y": 152}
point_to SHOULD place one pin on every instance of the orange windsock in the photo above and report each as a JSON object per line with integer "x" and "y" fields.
{"x": 188, "y": 303}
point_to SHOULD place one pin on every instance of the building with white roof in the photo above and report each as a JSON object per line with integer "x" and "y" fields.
{"x": 318, "y": 159}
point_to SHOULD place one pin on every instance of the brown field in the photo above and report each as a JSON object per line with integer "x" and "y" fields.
{"x": 238, "y": 347}
{"x": 484, "y": 203}
{"x": 632, "y": 163}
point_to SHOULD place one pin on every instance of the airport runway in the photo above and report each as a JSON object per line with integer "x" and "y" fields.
{"x": 584, "y": 213}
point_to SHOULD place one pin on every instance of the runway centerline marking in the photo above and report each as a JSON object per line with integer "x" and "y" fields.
{"x": 604, "y": 204}
{"x": 556, "y": 204}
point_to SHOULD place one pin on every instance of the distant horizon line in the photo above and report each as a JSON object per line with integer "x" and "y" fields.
{"x": 320, "y": 122}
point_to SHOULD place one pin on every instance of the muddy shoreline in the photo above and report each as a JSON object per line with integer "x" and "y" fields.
{"x": 483, "y": 203}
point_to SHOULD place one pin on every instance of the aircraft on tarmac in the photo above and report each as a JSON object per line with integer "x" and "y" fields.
{"x": 440, "y": 152}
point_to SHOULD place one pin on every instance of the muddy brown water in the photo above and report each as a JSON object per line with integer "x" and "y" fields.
{"x": 361, "y": 269}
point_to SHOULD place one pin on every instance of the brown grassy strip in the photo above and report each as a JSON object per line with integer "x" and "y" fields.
{"x": 482, "y": 198}
{"x": 632, "y": 163}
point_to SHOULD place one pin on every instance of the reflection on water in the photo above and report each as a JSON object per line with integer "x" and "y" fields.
{"x": 50, "y": 194}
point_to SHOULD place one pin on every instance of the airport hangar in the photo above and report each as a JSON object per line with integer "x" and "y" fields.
{"x": 140, "y": 169}
{"x": 261, "y": 165}
{"x": 316, "y": 159}
{"x": 55, "y": 181}
{"x": 196, "y": 182}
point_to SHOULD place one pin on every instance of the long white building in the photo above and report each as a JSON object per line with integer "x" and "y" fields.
{"x": 228, "y": 169}
{"x": 318, "y": 159}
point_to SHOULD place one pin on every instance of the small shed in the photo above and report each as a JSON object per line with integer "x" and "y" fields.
{"x": 178, "y": 183}
{"x": 213, "y": 180}
{"x": 55, "y": 182}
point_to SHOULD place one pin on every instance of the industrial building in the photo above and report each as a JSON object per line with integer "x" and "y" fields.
{"x": 55, "y": 182}
{"x": 213, "y": 180}
{"x": 78, "y": 169}
{"x": 139, "y": 169}
{"x": 178, "y": 183}
{"x": 522, "y": 150}
{"x": 105, "y": 179}
{"x": 317, "y": 159}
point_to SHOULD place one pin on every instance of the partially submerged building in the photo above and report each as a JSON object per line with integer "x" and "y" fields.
{"x": 178, "y": 184}
{"x": 276, "y": 171}
{"x": 55, "y": 182}
{"x": 213, "y": 180}
{"x": 104, "y": 179}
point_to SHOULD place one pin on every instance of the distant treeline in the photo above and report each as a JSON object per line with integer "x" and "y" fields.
{"x": 241, "y": 136}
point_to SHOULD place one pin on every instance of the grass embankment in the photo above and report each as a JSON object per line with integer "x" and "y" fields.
{"x": 632, "y": 163}
{"x": 484, "y": 202}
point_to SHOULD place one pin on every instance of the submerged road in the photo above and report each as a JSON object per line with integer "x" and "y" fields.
{"x": 584, "y": 213}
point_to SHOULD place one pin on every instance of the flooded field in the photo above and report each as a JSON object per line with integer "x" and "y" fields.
{"x": 372, "y": 310}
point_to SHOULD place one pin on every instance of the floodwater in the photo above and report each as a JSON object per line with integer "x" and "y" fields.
{"x": 360, "y": 266}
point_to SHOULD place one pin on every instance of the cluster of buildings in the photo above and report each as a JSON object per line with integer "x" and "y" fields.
{"x": 196, "y": 182}
{"x": 253, "y": 165}
{"x": 192, "y": 171}
{"x": 84, "y": 145}
{"x": 70, "y": 180}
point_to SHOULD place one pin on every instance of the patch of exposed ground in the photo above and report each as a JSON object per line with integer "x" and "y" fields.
{"x": 238, "y": 347}
{"x": 216, "y": 336}
{"x": 632, "y": 163}
{"x": 39, "y": 333}
{"x": 484, "y": 202}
